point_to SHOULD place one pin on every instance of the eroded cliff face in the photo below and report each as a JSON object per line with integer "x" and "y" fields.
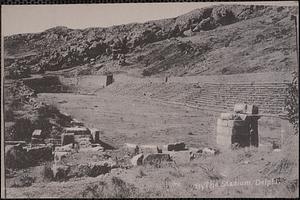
{"x": 214, "y": 40}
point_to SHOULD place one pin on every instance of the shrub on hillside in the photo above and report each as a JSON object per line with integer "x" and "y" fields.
{"x": 47, "y": 173}
{"x": 16, "y": 71}
{"x": 292, "y": 102}
{"x": 24, "y": 181}
{"x": 23, "y": 129}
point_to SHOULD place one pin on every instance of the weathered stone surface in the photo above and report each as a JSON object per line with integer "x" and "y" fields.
{"x": 252, "y": 109}
{"x": 176, "y": 146}
{"x": 227, "y": 116}
{"x": 58, "y": 156}
{"x": 156, "y": 159}
{"x": 95, "y": 134}
{"x": 60, "y": 172}
{"x": 67, "y": 138}
{"x": 224, "y": 141}
{"x": 242, "y": 116}
{"x": 180, "y": 157}
{"x": 101, "y": 167}
{"x": 97, "y": 148}
{"x": 92, "y": 169}
{"x": 137, "y": 160}
{"x": 15, "y": 156}
{"x": 130, "y": 146}
{"x": 39, "y": 153}
{"x": 84, "y": 142}
{"x": 211, "y": 151}
{"x": 65, "y": 148}
{"x": 240, "y": 108}
{"x": 133, "y": 148}
{"x": 149, "y": 149}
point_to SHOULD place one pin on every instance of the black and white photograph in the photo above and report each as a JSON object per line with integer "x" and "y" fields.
{"x": 150, "y": 100}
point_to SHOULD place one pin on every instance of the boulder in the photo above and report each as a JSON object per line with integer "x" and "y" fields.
{"x": 60, "y": 172}
{"x": 101, "y": 167}
{"x": 179, "y": 146}
{"x": 156, "y": 159}
{"x": 206, "y": 24}
{"x": 210, "y": 151}
{"x": 137, "y": 160}
{"x": 188, "y": 33}
{"x": 222, "y": 15}
{"x": 58, "y": 156}
{"x": 92, "y": 169}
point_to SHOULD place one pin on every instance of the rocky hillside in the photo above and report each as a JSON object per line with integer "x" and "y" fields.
{"x": 213, "y": 40}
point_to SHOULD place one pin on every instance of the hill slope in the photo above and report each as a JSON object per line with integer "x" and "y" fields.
{"x": 215, "y": 40}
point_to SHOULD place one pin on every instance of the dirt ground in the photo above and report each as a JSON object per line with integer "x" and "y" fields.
{"x": 123, "y": 119}
{"x": 141, "y": 121}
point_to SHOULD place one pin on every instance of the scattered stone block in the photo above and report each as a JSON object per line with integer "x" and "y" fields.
{"x": 133, "y": 148}
{"x": 149, "y": 149}
{"x": 180, "y": 146}
{"x": 211, "y": 151}
{"x": 95, "y": 134}
{"x": 60, "y": 172}
{"x": 58, "y": 156}
{"x": 137, "y": 160}
{"x": 130, "y": 146}
{"x": 91, "y": 149}
{"x": 65, "y": 148}
{"x": 195, "y": 150}
{"x": 84, "y": 142}
{"x": 39, "y": 153}
{"x": 101, "y": 167}
{"x": 67, "y": 138}
{"x": 156, "y": 159}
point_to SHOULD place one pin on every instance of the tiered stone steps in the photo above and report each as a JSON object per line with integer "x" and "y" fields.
{"x": 270, "y": 97}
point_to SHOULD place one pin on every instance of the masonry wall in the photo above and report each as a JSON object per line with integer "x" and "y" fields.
{"x": 268, "y": 96}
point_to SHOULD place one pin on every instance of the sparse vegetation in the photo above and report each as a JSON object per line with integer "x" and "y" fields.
{"x": 115, "y": 188}
{"x": 221, "y": 41}
{"x": 24, "y": 181}
{"x": 292, "y": 103}
{"x": 47, "y": 172}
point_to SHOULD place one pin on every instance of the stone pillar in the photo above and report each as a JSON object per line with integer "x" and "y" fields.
{"x": 254, "y": 132}
{"x": 109, "y": 79}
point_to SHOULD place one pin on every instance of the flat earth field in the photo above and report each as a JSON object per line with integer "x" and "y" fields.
{"x": 258, "y": 172}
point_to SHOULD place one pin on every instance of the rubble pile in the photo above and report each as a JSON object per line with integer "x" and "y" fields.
{"x": 156, "y": 155}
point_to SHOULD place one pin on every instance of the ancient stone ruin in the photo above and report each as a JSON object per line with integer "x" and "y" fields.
{"x": 109, "y": 79}
{"x": 239, "y": 128}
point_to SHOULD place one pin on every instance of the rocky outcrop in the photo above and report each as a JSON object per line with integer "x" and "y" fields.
{"x": 60, "y": 47}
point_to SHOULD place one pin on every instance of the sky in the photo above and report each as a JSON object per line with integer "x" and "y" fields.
{"x": 36, "y": 18}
